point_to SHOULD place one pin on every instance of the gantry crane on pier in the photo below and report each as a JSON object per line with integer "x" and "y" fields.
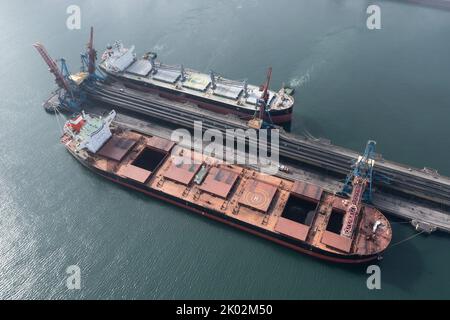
{"x": 358, "y": 187}
{"x": 363, "y": 168}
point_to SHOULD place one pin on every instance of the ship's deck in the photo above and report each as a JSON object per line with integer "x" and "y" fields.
{"x": 294, "y": 209}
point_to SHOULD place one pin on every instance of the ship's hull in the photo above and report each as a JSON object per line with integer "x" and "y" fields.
{"x": 283, "y": 116}
{"x": 291, "y": 243}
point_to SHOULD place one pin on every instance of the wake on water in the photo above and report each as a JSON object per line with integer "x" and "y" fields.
{"x": 301, "y": 81}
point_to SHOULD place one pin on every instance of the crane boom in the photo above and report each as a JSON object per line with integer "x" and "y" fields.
{"x": 265, "y": 94}
{"x": 61, "y": 81}
{"x": 91, "y": 53}
{"x": 354, "y": 206}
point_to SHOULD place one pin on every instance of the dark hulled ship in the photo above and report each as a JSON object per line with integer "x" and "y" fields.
{"x": 293, "y": 213}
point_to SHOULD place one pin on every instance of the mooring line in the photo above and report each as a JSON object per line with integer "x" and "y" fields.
{"x": 406, "y": 239}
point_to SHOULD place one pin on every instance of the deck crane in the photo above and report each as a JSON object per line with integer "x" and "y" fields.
{"x": 68, "y": 93}
{"x": 258, "y": 121}
{"x": 60, "y": 78}
{"x": 92, "y": 54}
{"x": 265, "y": 94}
{"x": 362, "y": 168}
{"x": 358, "y": 187}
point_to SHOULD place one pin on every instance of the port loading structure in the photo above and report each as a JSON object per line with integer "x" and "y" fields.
{"x": 69, "y": 96}
{"x": 427, "y": 194}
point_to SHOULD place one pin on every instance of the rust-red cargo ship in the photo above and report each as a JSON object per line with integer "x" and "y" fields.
{"x": 293, "y": 213}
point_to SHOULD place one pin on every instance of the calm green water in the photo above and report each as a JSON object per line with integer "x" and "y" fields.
{"x": 391, "y": 85}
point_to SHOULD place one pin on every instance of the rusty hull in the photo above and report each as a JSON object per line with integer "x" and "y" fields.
{"x": 242, "y": 194}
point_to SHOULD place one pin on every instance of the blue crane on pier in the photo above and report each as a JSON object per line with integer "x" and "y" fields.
{"x": 363, "y": 168}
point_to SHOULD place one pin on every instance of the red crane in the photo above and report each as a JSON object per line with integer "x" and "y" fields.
{"x": 60, "y": 80}
{"x": 265, "y": 94}
{"x": 354, "y": 206}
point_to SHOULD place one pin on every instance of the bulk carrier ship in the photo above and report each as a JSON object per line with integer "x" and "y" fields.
{"x": 208, "y": 91}
{"x": 293, "y": 213}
